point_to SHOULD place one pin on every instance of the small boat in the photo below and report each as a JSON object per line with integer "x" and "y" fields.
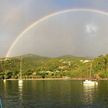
{"x": 20, "y": 75}
{"x": 20, "y": 81}
{"x": 90, "y": 82}
{"x": 4, "y": 80}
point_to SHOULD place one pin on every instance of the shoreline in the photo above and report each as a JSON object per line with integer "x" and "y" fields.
{"x": 57, "y": 79}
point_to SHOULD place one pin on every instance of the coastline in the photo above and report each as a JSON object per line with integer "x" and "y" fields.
{"x": 57, "y": 79}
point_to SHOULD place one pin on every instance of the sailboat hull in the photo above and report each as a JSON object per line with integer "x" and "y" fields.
{"x": 90, "y": 82}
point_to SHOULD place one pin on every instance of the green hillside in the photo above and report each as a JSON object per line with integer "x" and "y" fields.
{"x": 34, "y": 66}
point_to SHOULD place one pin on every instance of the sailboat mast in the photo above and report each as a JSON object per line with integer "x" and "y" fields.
{"x": 90, "y": 69}
{"x": 20, "y": 74}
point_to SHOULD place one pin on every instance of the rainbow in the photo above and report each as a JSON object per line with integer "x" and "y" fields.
{"x": 47, "y": 17}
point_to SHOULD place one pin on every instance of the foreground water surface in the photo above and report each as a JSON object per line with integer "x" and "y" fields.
{"x": 53, "y": 94}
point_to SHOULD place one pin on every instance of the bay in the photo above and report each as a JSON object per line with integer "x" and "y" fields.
{"x": 53, "y": 94}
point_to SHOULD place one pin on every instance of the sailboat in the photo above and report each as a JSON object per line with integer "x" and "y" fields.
{"x": 20, "y": 81}
{"x": 89, "y": 82}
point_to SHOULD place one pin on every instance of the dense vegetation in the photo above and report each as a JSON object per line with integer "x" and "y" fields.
{"x": 33, "y": 66}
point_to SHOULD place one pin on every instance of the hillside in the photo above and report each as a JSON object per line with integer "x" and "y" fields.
{"x": 35, "y": 66}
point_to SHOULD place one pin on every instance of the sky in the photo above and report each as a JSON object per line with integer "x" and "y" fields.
{"x": 74, "y": 33}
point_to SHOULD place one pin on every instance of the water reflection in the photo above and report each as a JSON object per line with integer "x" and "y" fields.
{"x": 89, "y": 93}
{"x": 53, "y": 94}
{"x": 4, "y": 95}
{"x": 20, "y": 87}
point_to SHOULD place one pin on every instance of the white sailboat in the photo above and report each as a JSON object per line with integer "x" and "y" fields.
{"x": 20, "y": 81}
{"x": 89, "y": 82}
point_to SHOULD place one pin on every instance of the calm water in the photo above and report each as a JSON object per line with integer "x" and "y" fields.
{"x": 53, "y": 94}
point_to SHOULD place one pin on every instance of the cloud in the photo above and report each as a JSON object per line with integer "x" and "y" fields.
{"x": 91, "y": 29}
